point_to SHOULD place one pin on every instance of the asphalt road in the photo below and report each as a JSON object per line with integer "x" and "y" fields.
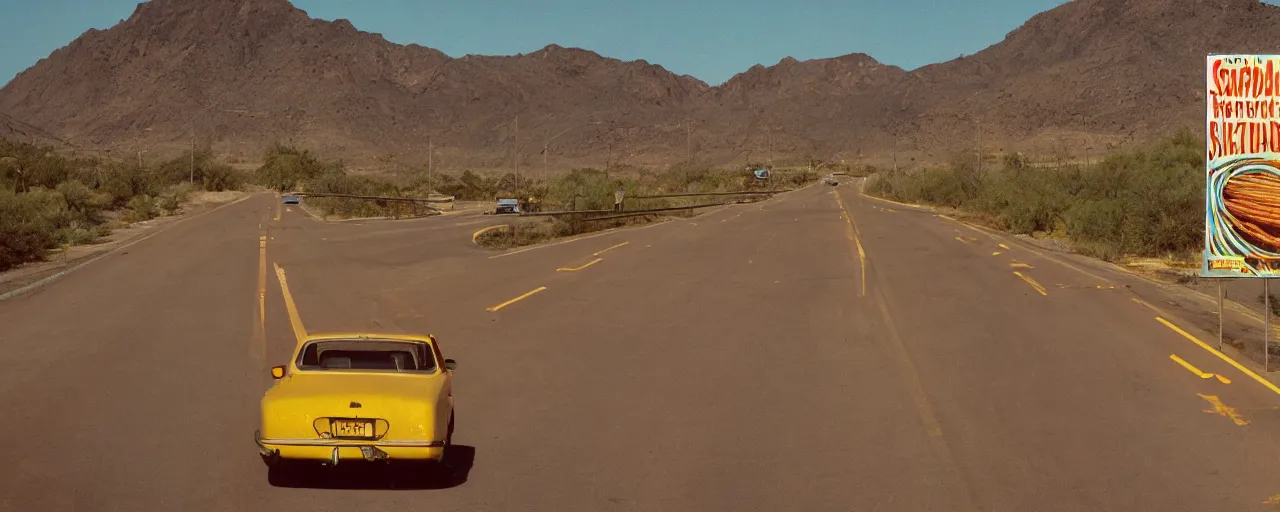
{"x": 778, "y": 355}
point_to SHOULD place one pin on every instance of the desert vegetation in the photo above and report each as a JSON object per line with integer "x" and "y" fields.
{"x": 50, "y": 200}
{"x": 1146, "y": 202}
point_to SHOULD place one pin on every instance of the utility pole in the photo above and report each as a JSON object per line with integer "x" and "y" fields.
{"x": 192, "y": 179}
{"x": 769, "y": 131}
{"x": 515, "y": 151}
{"x": 430, "y": 149}
{"x": 895, "y": 154}
{"x": 688, "y": 143}
{"x": 978, "y": 125}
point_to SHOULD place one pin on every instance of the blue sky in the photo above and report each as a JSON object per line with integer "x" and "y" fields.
{"x": 709, "y": 39}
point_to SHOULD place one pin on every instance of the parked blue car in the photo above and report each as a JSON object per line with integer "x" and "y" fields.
{"x": 508, "y": 206}
{"x": 292, "y": 199}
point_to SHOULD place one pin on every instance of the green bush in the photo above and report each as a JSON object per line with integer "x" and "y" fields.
{"x": 140, "y": 208}
{"x": 85, "y": 204}
{"x": 285, "y": 167}
{"x": 51, "y": 198}
{"x": 26, "y": 234}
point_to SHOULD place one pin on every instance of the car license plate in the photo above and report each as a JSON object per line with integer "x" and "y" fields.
{"x": 352, "y": 428}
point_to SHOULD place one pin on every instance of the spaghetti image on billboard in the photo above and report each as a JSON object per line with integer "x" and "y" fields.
{"x": 1242, "y": 165}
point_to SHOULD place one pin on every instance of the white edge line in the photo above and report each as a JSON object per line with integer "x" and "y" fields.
{"x": 51, "y": 279}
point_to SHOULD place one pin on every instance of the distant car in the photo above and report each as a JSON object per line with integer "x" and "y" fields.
{"x": 831, "y": 180}
{"x": 507, "y": 206}
{"x": 370, "y": 397}
{"x": 292, "y": 199}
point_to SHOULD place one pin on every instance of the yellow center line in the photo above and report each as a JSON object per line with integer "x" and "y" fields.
{"x": 1031, "y": 282}
{"x": 260, "y": 332}
{"x": 1005, "y": 247}
{"x": 295, "y": 320}
{"x": 924, "y": 408}
{"x": 567, "y": 269}
{"x": 517, "y": 299}
{"x": 609, "y": 249}
{"x": 1215, "y": 352}
{"x": 851, "y": 232}
{"x": 962, "y": 240}
{"x": 997, "y": 253}
{"x": 1020, "y": 265}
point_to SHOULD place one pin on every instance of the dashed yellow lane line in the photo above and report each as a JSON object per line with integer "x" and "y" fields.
{"x": 1188, "y": 366}
{"x": 1193, "y": 369}
{"x": 575, "y": 269}
{"x": 1109, "y": 285}
{"x": 517, "y": 299}
{"x": 602, "y": 251}
{"x": 295, "y": 320}
{"x": 1031, "y": 282}
{"x": 1215, "y": 352}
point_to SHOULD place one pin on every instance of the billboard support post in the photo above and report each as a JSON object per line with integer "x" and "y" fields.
{"x": 1221, "y": 294}
{"x": 1266, "y": 325}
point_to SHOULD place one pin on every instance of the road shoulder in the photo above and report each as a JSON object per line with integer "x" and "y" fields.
{"x": 1177, "y": 298}
{"x": 33, "y": 276}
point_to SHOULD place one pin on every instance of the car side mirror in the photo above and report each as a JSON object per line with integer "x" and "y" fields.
{"x": 450, "y": 364}
{"x": 277, "y": 372}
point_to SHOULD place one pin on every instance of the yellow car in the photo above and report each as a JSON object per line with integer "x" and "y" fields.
{"x": 368, "y": 397}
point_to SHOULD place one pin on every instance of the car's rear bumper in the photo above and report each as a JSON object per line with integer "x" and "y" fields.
{"x": 335, "y": 450}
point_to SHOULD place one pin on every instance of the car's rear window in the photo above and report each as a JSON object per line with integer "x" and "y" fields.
{"x": 371, "y": 355}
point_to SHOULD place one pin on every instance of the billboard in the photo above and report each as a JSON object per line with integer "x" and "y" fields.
{"x": 1242, "y": 166}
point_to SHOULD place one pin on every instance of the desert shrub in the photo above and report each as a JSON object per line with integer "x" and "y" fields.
{"x": 285, "y": 167}
{"x": 1144, "y": 202}
{"x": 26, "y": 234}
{"x": 52, "y": 197}
{"x": 140, "y": 208}
{"x": 85, "y": 204}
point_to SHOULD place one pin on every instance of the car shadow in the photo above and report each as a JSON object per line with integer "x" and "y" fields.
{"x": 402, "y": 476}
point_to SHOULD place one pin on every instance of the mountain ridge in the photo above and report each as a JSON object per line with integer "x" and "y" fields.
{"x": 240, "y": 74}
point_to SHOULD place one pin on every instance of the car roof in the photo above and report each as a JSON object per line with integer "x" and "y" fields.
{"x": 359, "y": 336}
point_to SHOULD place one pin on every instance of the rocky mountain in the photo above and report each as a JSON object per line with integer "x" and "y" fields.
{"x": 241, "y": 74}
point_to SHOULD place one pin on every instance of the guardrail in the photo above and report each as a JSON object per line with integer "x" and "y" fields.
{"x": 632, "y": 213}
{"x": 637, "y": 213}
{"x": 695, "y": 194}
{"x": 451, "y": 199}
